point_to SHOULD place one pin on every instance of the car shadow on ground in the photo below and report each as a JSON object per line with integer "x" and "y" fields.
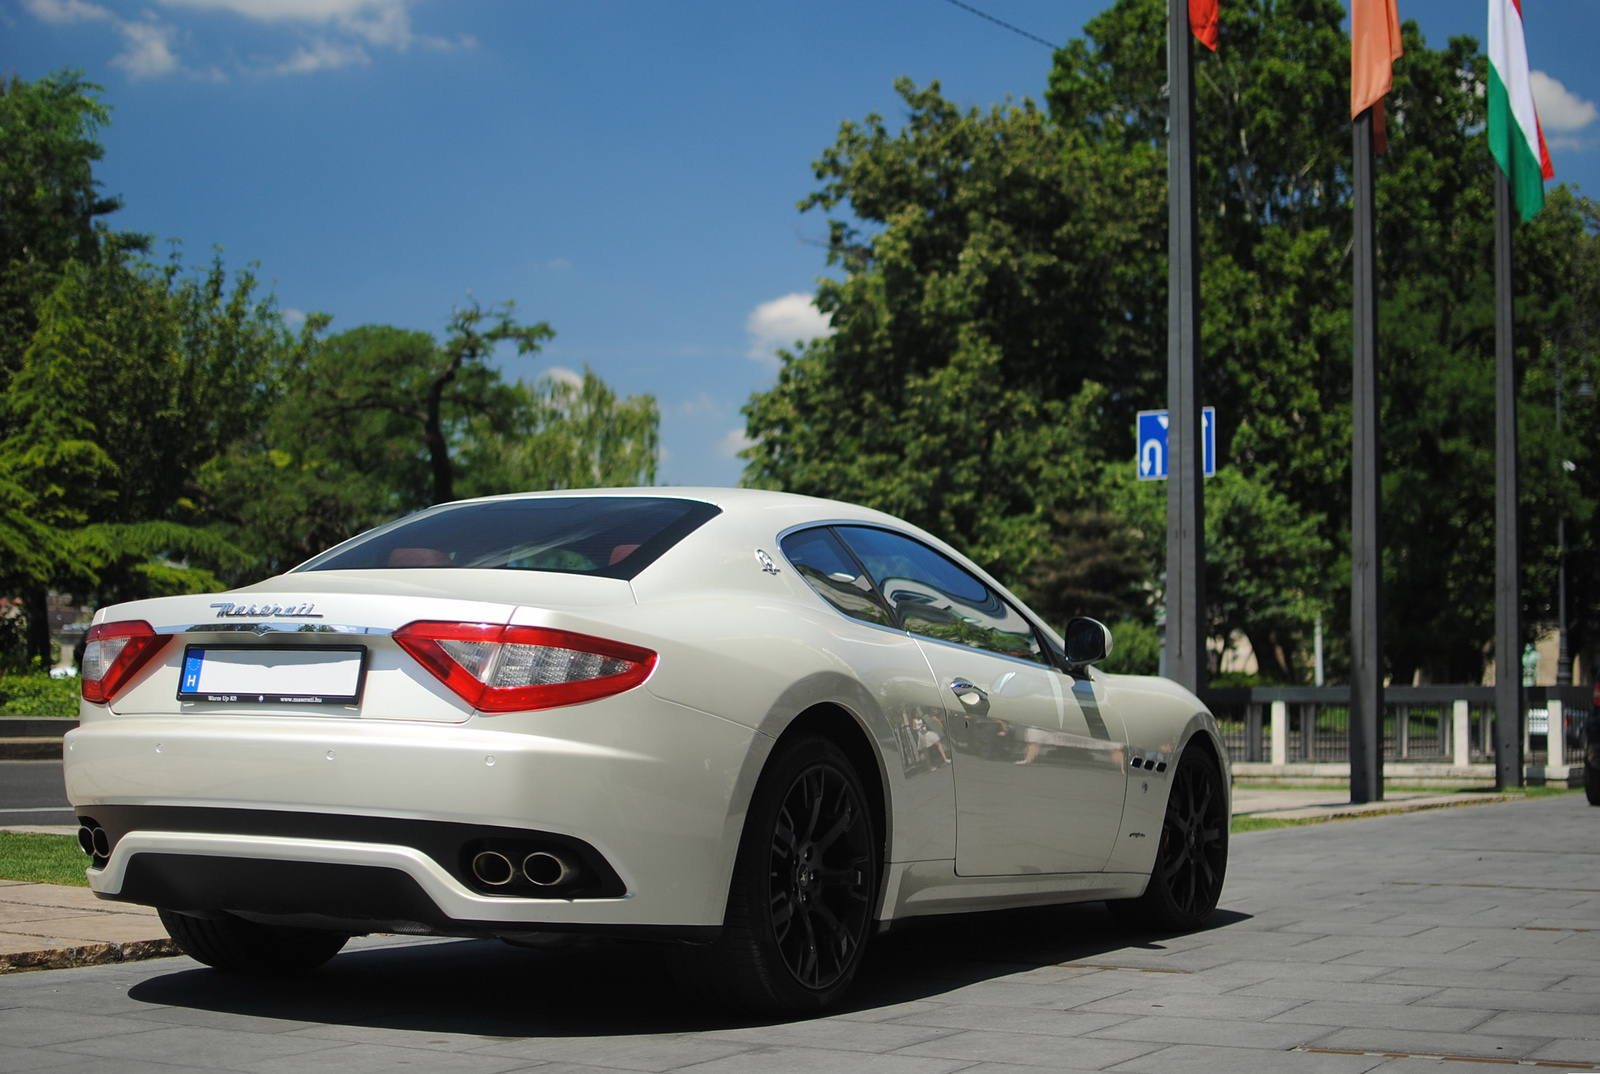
{"x": 487, "y": 988}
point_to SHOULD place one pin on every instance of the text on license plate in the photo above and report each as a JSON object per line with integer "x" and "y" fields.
{"x": 284, "y": 676}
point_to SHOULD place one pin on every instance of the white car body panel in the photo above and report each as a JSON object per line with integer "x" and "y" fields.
{"x": 656, "y": 779}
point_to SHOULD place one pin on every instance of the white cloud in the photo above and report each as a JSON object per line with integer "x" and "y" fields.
{"x": 379, "y": 23}
{"x": 60, "y": 11}
{"x": 333, "y": 33}
{"x": 297, "y": 10}
{"x": 321, "y": 55}
{"x": 562, "y": 375}
{"x": 148, "y": 45}
{"x": 734, "y": 442}
{"x": 293, "y": 319}
{"x": 781, "y": 323}
{"x": 1560, "y": 110}
{"x": 149, "y": 50}
{"x": 700, "y": 404}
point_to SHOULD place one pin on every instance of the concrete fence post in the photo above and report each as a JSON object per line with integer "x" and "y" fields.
{"x": 1555, "y": 750}
{"x": 1460, "y": 734}
{"x": 1280, "y": 732}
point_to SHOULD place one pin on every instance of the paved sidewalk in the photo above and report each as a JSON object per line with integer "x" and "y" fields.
{"x": 54, "y": 926}
{"x": 1451, "y": 940}
{"x": 1290, "y": 804}
{"x": 49, "y": 926}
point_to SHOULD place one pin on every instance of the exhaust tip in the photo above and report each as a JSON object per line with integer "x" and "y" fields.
{"x": 546, "y": 870}
{"x": 99, "y": 843}
{"x": 86, "y": 839}
{"x": 492, "y": 868}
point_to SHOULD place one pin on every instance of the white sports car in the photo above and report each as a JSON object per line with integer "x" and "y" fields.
{"x": 759, "y": 725}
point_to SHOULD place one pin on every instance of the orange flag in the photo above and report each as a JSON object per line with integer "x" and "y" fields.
{"x": 1203, "y": 21}
{"x": 1374, "y": 46}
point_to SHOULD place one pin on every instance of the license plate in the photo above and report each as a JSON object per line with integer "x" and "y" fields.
{"x": 326, "y": 675}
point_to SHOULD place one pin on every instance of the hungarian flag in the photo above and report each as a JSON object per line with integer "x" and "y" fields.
{"x": 1515, "y": 138}
{"x": 1203, "y": 21}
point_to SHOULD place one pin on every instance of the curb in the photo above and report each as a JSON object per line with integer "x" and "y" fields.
{"x": 33, "y": 738}
{"x": 30, "y": 749}
{"x": 92, "y": 954}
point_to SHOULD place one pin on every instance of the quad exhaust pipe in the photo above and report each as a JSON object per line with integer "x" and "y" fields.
{"x": 493, "y": 868}
{"x": 546, "y": 870}
{"x": 94, "y": 841}
{"x": 542, "y": 868}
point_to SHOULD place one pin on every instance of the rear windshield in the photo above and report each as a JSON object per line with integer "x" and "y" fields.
{"x": 607, "y": 536}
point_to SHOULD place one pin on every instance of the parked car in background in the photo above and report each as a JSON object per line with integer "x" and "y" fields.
{"x": 758, "y": 726}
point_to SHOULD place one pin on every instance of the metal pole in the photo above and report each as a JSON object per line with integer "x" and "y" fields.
{"x": 1366, "y": 548}
{"x": 1563, "y": 651}
{"x": 1508, "y": 714}
{"x": 1185, "y": 643}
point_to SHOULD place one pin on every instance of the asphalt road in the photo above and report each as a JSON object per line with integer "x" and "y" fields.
{"x": 1437, "y": 941}
{"x": 31, "y": 792}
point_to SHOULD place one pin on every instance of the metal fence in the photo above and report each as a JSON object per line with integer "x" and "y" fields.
{"x": 1419, "y": 722}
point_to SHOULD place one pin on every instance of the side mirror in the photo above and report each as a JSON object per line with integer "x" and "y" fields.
{"x": 1088, "y": 642}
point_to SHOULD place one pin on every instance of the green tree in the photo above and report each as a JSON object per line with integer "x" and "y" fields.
{"x": 49, "y": 199}
{"x": 987, "y": 279}
{"x": 996, "y": 264}
{"x": 563, "y": 435}
{"x": 134, "y": 378}
{"x": 377, "y": 422}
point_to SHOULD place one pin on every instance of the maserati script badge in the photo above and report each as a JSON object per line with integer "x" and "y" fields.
{"x": 229, "y": 610}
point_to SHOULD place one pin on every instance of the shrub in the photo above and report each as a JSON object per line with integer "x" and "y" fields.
{"x": 35, "y": 693}
{"x": 1135, "y": 649}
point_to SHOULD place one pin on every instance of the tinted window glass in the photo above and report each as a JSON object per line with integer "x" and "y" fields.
{"x": 938, "y": 599}
{"x": 609, "y": 536}
{"x": 823, "y": 561}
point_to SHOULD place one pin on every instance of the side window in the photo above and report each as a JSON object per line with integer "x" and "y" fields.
{"x": 823, "y": 562}
{"x": 937, "y": 598}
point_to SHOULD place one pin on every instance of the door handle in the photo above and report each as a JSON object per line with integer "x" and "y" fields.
{"x": 969, "y": 693}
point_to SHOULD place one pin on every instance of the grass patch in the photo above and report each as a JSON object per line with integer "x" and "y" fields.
{"x": 1545, "y": 791}
{"x": 1262, "y": 824}
{"x": 42, "y": 859}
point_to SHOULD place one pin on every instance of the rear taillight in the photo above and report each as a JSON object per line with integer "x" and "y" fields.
{"x": 516, "y": 668}
{"x": 113, "y": 653}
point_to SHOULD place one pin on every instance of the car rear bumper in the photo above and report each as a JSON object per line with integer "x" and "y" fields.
{"x": 377, "y": 822}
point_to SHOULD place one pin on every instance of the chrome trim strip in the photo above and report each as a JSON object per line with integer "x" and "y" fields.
{"x": 275, "y": 628}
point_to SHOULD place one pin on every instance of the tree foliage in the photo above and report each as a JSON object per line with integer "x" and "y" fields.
{"x": 564, "y": 434}
{"x": 161, "y": 431}
{"x": 49, "y": 200}
{"x": 999, "y": 313}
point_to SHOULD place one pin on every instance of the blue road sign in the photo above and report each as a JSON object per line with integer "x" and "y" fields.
{"x": 1152, "y": 461}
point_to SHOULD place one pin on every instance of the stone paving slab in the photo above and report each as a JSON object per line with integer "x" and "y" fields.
{"x": 1447, "y": 940}
{"x": 1291, "y": 804}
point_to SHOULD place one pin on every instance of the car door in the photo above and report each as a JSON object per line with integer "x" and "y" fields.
{"x": 1038, "y": 755}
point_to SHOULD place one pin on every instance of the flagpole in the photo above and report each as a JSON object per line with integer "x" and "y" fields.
{"x": 1508, "y": 712}
{"x": 1185, "y": 642}
{"x": 1366, "y": 546}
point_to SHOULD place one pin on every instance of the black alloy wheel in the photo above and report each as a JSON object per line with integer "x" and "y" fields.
{"x": 800, "y": 908}
{"x": 1192, "y": 857}
{"x": 820, "y": 875}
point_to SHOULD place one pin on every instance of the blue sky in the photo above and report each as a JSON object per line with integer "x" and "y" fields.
{"x": 627, "y": 171}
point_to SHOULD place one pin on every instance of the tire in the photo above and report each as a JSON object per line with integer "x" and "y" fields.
{"x": 1192, "y": 856}
{"x": 801, "y": 904}
{"x": 1591, "y": 784}
{"x": 234, "y": 944}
